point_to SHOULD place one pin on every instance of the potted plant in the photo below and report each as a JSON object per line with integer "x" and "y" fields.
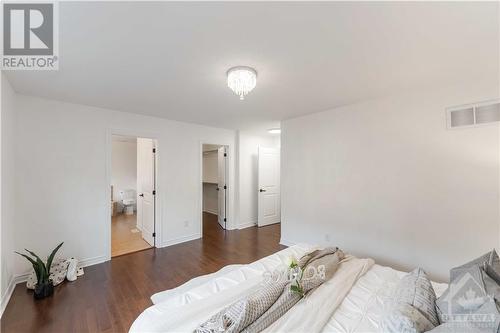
{"x": 44, "y": 286}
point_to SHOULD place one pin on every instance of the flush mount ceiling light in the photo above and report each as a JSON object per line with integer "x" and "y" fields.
{"x": 274, "y": 130}
{"x": 241, "y": 80}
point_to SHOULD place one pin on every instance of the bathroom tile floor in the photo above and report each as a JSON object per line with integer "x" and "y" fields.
{"x": 123, "y": 238}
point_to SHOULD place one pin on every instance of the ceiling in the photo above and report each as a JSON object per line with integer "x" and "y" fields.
{"x": 170, "y": 59}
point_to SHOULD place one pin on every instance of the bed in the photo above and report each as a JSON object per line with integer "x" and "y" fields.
{"x": 352, "y": 301}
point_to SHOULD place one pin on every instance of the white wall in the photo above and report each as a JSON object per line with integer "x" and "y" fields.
{"x": 67, "y": 159}
{"x": 8, "y": 191}
{"x": 123, "y": 168}
{"x": 386, "y": 179}
{"x": 248, "y": 148}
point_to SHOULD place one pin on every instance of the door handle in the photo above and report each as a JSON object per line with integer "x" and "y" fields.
{"x": 261, "y": 190}
{"x": 141, "y": 195}
{"x": 217, "y": 189}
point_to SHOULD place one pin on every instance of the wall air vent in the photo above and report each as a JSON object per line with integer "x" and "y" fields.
{"x": 473, "y": 114}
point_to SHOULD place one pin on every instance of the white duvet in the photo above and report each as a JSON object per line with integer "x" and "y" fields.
{"x": 361, "y": 310}
{"x": 348, "y": 302}
{"x": 312, "y": 313}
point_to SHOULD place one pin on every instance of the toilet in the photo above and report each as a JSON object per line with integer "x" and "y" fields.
{"x": 128, "y": 201}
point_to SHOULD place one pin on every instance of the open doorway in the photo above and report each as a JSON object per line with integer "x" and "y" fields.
{"x": 133, "y": 184}
{"x": 214, "y": 187}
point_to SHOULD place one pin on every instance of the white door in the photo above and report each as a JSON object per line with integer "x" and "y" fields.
{"x": 269, "y": 186}
{"x": 221, "y": 186}
{"x": 146, "y": 189}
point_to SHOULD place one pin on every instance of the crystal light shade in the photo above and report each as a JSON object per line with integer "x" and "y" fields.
{"x": 241, "y": 80}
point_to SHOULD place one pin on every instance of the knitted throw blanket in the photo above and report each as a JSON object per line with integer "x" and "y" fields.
{"x": 259, "y": 310}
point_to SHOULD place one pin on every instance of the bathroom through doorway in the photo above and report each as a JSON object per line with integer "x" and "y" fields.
{"x": 133, "y": 192}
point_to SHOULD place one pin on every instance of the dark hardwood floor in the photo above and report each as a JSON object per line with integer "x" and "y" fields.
{"x": 111, "y": 295}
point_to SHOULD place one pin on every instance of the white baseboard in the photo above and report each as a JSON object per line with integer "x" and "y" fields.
{"x": 21, "y": 278}
{"x": 179, "y": 240}
{"x": 8, "y": 293}
{"x": 247, "y": 225}
{"x": 92, "y": 261}
{"x": 287, "y": 242}
{"x": 214, "y": 212}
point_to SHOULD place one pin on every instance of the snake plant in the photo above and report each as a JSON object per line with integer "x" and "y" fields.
{"x": 42, "y": 270}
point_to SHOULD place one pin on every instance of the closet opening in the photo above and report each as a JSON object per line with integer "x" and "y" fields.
{"x": 214, "y": 188}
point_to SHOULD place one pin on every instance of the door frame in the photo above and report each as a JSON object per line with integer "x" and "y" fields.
{"x": 157, "y": 200}
{"x": 230, "y": 225}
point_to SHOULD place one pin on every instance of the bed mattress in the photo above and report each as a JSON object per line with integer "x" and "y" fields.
{"x": 226, "y": 278}
{"x": 205, "y": 292}
{"x": 359, "y": 311}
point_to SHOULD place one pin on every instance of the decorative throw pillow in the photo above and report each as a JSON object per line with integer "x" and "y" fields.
{"x": 404, "y": 318}
{"x": 412, "y": 308}
{"x": 242, "y": 313}
{"x": 470, "y": 297}
{"x": 465, "y": 294}
{"x": 492, "y": 267}
{"x": 484, "y": 319}
{"x": 493, "y": 273}
{"x": 488, "y": 259}
{"x": 489, "y": 269}
{"x": 57, "y": 273}
{"x": 61, "y": 269}
{"x": 456, "y": 328}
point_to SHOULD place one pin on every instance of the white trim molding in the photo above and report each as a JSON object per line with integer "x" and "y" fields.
{"x": 247, "y": 225}
{"x": 179, "y": 240}
{"x": 92, "y": 261}
{"x": 210, "y": 212}
{"x": 14, "y": 280}
{"x": 287, "y": 242}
